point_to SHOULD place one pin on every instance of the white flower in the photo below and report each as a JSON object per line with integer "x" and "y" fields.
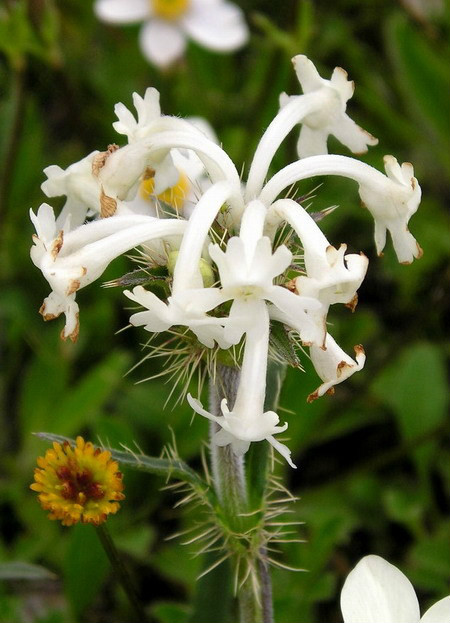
{"x": 377, "y": 592}
{"x": 72, "y": 259}
{"x": 247, "y": 269}
{"x": 392, "y": 199}
{"x": 79, "y": 185}
{"x": 320, "y": 110}
{"x": 189, "y": 301}
{"x": 331, "y": 276}
{"x": 393, "y": 206}
{"x": 247, "y": 421}
{"x": 331, "y": 118}
{"x": 213, "y": 24}
{"x": 333, "y": 365}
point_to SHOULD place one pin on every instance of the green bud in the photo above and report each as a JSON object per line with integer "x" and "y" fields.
{"x": 206, "y": 270}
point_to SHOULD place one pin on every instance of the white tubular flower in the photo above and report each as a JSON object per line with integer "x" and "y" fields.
{"x": 72, "y": 260}
{"x": 333, "y": 365}
{"x": 214, "y": 24}
{"x": 375, "y": 591}
{"x": 321, "y": 110}
{"x": 331, "y": 276}
{"x": 247, "y": 421}
{"x": 247, "y": 269}
{"x": 391, "y": 199}
{"x": 189, "y": 301}
{"x": 80, "y": 187}
{"x": 331, "y": 118}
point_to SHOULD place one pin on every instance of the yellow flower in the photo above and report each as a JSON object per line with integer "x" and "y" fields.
{"x": 78, "y": 484}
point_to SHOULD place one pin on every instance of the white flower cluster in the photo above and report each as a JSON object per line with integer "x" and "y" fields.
{"x": 232, "y": 274}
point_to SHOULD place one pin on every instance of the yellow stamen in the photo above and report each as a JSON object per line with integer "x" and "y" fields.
{"x": 78, "y": 484}
{"x": 169, "y": 9}
{"x": 174, "y": 196}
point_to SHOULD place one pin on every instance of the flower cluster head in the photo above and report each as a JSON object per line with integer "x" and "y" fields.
{"x": 376, "y": 591}
{"x": 80, "y": 483}
{"x": 236, "y": 257}
{"x": 217, "y": 25}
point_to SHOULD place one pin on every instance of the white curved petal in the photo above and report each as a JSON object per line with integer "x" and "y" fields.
{"x": 282, "y": 449}
{"x": 352, "y": 135}
{"x": 220, "y": 27}
{"x": 438, "y": 613}
{"x": 161, "y": 42}
{"x": 377, "y": 592}
{"x": 122, "y": 11}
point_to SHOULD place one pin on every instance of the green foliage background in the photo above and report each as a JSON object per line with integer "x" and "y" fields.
{"x": 374, "y": 460}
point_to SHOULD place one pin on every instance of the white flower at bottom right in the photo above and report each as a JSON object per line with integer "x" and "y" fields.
{"x": 377, "y": 592}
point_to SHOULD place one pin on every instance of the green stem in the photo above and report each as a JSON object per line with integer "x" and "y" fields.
{"x": 229, "y": 479}
{"x": 121, "y": 572}
{"x": 228, "y": 469}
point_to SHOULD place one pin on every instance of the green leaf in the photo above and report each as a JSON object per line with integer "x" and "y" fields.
{"x": 85, "y": 568}
{"x": 169, "y": 468}
{"x": 83, "y": 403}
{"x": 414, "y": 386}
{"x": 170, "y": 612}
{"x": 16, "y": 570}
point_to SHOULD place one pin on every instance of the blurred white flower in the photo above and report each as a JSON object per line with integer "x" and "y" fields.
{"x": 214, "y": 24}
{"x": 377, "y": 592}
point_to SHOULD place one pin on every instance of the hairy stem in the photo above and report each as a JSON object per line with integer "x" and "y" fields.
{"x": 229, "y": 478}
{"x": 228, "y": 469}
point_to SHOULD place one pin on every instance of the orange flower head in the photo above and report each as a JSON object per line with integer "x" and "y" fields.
{"x": 80, "y": 483}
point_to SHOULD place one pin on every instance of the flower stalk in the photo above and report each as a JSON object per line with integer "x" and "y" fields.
{"x": 121, "y": 572}
{"x": 254, "y": 597}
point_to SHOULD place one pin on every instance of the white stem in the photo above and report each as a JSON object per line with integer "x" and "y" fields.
{"x": 102, "y": 228}
{"x": 187, "y": 273}
{"x": 252, "y": 226}
{"x": 102, "y": 252}
{"x": 313, "y": 166}
{"x": 217, "y": 163}
{"x": 313, "y": 240}
{"x": 288, "y": 117}
{"x": 252, "y": 384}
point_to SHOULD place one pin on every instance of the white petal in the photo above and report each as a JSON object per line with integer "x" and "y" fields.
{"x": 122, "y": 11}
{"x": 307, "y": 73}
{"x": 377, "y": 592}
{"x": 282, "y": 449}
{"x": 220, "y": 27}
{"x": 198, "y": 408}
{"x": 352, "y": 135}
{"x": 161, "y": 42}
{"x": 438, "y": 613}
{"x": 312, "y": 142}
